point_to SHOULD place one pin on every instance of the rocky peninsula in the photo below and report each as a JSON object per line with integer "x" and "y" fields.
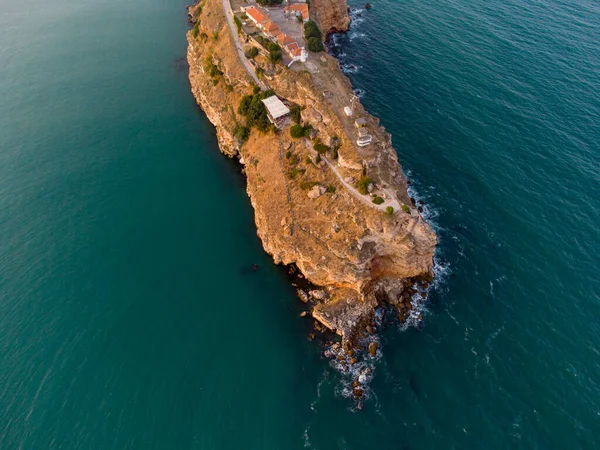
{"x": 337, "y": 211}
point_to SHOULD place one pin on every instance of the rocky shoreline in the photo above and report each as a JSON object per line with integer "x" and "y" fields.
{"x": 352, "y": 259}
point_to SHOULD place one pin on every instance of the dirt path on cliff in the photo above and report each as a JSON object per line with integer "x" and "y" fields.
{"x": 391, "y": 201}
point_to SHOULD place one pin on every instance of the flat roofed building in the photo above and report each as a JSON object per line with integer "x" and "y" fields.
{"x": 276, "y": 109}
{"x": 360, "y": 122}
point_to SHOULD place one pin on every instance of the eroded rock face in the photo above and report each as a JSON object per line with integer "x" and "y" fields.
{"x": 304, "y": 214}
{"x": 331, "y": 15}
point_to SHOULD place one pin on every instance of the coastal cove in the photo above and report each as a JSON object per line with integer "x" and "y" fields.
{"x": 139, "y": 310}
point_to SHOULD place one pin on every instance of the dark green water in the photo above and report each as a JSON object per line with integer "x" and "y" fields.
{"x": 129, "y": 317}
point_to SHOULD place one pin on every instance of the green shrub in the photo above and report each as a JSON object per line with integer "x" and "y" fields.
{"x": 269, "y": 2}
{"x": 389, "y": 211}
{"x": 252, "y": 107}
{"x": 331, "y": 189}
{"x": 294, "y": 172}
{"x": 252, "y": 53}
{"x": 321, "y": 148}
{"x": 405, "y": 208}
{"x": 297, "y": 131}
{"x": 295, "y": 111}
{"x": 315, "y": 45}
{"x": 294, "y": 159}
{"x": 238, "y": 24}
{"x": 196, "y": 29}
{"x": 363, "y": 184}
{"x": 318, "y": 158}
{"x": 307, "y": 185}
{"x": 275, "y": 56}
{"x": 308, "y": 160}
{"x": 244, "y": 16}
{"x": 311, "y": 29}
{"x": 378, "y": 200}
{"x": 307, "y": 130}
{"x": 215, "y": 35}
{"x": 211, "y": 68}
{"x": 334, "y": 152}
{"x": 241, "y": 133}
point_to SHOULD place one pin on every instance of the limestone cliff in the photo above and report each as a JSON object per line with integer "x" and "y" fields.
{"x": 307, "y": 210}
{"x": 331, "y": 15}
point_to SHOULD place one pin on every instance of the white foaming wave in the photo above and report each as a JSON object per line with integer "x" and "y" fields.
{"x": 360, "y": 93}
{"x": 356, "y": 16}
{"x": 356, "y": 35}
{"x": 350, "y": 68}
{"x": 307, "y": 443}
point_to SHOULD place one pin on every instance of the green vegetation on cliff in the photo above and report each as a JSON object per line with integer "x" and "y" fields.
{"x": 255, "y": 111}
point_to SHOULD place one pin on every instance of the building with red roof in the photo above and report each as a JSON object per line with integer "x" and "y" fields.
{"x": 298, "y": 10}
{"x": 256, "y": 16}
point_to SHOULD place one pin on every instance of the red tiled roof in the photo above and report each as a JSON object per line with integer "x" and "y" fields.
{"x": 271, "y": 27}
{"x": 284, "y": 39}
{"x": 301, "y": 8}
{"x": 292, "y": 46}
{"x": 256, "y": 15}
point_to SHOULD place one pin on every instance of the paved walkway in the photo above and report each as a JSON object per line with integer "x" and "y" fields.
{"x": 234, "y": 34}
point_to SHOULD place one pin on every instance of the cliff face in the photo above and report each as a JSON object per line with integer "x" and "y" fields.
{"x": 331, "y": 15}
{"x": 307, "y": 210}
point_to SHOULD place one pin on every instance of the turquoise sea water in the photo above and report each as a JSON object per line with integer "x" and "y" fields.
{"x": 129, "y": 313}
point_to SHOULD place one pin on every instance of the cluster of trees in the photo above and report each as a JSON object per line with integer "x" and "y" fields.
{"x": 255, "y": 111}
{"x": 273, "y": 48}
{"x": 297, "y": 131}
{"x": 252, "y": 53}
{"x": 269, "y": 2}
{"x": 313, "y": 36}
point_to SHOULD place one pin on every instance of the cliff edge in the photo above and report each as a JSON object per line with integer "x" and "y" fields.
{"x": 337, "y": 211}
{"x": 331, "y": 15}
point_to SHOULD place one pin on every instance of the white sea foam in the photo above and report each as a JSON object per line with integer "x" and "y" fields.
{"x": 350, "y": 68}
{"x": 352, "y": 35}
{"x": 307, "y": 443}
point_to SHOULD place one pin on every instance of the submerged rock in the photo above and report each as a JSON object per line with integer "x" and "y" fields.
{"x": 373, "y": 346}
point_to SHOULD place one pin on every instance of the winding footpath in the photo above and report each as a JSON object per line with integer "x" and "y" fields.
{"x": 364, "y": 199}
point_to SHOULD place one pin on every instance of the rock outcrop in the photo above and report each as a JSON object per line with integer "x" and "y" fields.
{"x": 331, "y": 15}
{"x": 307, "y": 211}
